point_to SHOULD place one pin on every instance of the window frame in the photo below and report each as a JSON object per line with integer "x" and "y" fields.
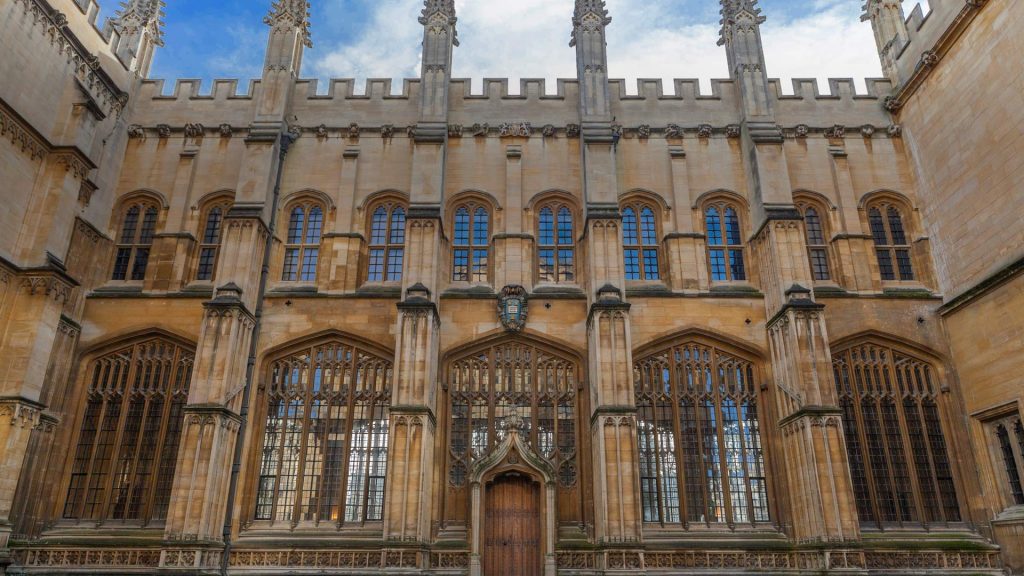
{"x": 891, "y": 248}
{"x": 642, "y": 247}
{"x": 556, "y": 246}
{"x": 121, "y": 362}
{"x": 304, "y": 246}
{"x": 362, "y": 357}
{"x": 824, "y": 248}
{"x": 472, "y": 247}
{"x": 1011, "y": 420}
{"x": 138, "y": 244}
{"x": 389, "y": 247}
{"x": 213, "y": 248}
{"x": 886, "y": 459}
{"x": 727, "y": 247}
{"x": 690, "y": 453}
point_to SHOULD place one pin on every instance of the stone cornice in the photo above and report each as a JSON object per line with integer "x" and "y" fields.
{"x": 931, "y": 58}
{"x": 87, "y": 69}
{"x": 24, "y": 136}
{"x": 983, "y": 288}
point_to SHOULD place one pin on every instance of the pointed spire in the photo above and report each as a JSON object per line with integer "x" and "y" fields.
{"x": 589, "y": 16}
{"x": 440, "y": 14}
{"x": 135, "y": 16}
{"x": 285, "y": 14}
{"x": 735, "y": 12}
{"x": 890, "y": 27}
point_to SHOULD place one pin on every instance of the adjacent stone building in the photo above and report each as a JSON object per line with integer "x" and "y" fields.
{"x": 277, "y": 329}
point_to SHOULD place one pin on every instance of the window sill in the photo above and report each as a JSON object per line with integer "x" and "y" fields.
{"x": 328, "y": 530}
{"x": 1011, "y": 515}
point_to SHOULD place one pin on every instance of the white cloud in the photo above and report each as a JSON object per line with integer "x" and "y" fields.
{"x": 647, "y": 39}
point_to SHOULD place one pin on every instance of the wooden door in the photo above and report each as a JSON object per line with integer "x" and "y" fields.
{"x": 512, "y": 529}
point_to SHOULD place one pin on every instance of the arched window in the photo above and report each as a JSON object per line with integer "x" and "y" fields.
{"x": 209, "y": 245}
{"x": 701, "y": 457}
{"x": 891, "y": 245}
{"x": 556, "y": 254}
{"x": 817, "y": 245}
{"x": 725, "y": 242}
{"x": 325, "y": 436}
{"x": 471, "y": 244}
{"x": 894, "y": 436}
{"x": 640, "y": 243}
{"x": 492, "y": 382}
{"x": 127, "y": 449}
{"x": 138, "y": 225}
{"x": 302, "y": 248}
{"x": 387, "y": 244}
{"x": 1009, "y": 435}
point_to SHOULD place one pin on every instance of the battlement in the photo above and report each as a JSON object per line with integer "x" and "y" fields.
{"x": 928, "y": 34}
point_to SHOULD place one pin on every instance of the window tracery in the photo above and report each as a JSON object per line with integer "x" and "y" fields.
{"x": 325, "y": 434}
{"x": 209, "y": 245}
{"x": 138, "y": 227}
{"x": 700, "y": 447}
{"x": 892, "y": 248}
{"x": 387, "y": 243}
{"x": 640, "y": 242}
{"x": 127, "y": 447}
{"x": 302, "y": 245}
{"x": 725, "y": 242}
{"x": 471, "y": 243}
{"x": 556, "y": 253}
{"x": 894, "y": 436}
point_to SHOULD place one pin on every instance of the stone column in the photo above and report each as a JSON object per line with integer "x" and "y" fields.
{"x": 30, "y": 308}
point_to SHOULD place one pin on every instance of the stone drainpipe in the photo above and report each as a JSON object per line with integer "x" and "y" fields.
{"x": 286, "y": 141}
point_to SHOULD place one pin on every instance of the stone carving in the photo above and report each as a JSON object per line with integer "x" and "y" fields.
{"x": 194, "y": 130}
{"x": 455, "y": 130}
{"x": 802, "y": 130}
{"x": 894, "y": 131}
{"x": 732, "y": 131}
{"x": 387, "y": 131}
{"x": 163, "y": 130}
{"x": 437, "y": 16}
{"x": 136, "y": 131}
{"x": 674, "y": 132}
{"x": 617, "y": 131}
{"x": 515, "y": 129}
{"x": 512, "y": 307}
{"x": 226, "y": 131}
{"x": 321, "y": 131}
{"x": 644, "y": 131}
{"x": 836, "y": 132}
{"x": 929, "y": 58}
{"x": 285, "y": 14}
{"x": 704, "y": 131}
{"x": 572, "y": 130}
{"x": 590, "y": 16}
{"x": 479, "y": 130}
{"x": 892, "y": 104}
{"x": 867, "y": 130}
{"x": 353, "y": 130}
{"x": 548, "y": 131}
{"x": 20, "y": 137}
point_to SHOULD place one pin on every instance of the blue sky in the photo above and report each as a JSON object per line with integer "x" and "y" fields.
{"x": 521, "y": 38}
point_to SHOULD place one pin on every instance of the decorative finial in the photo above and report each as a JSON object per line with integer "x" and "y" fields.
{"x": 291, "y": 13}
{"x": 138, "y": 15}
{"x": 738, "y": 12}
{"x": 438, "y": 14}
{"x": 589, "y": 16}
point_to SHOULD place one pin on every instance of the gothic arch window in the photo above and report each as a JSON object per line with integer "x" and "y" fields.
{"x": 209, "y": 241}
{"x": 387, "y": 243}
{"x": 325, "y": 435}
{"x": 640, "y": 242}
{"x": 134, "y": 240}
{"x": 899, "y": 463}
{"x": 127, "y": 449}
{"x": 815, "y": 234}
{"x": 491, "y": 382}
{"x": 892, "y": 247}
{"x": 725, "y": 242}
{"x": 471, "y": 243}
{"x": 556, "y": 253}
{"x": 1008, "y": 433}
{"x": 701, "y": 455}
{"x": 302, "y": 245}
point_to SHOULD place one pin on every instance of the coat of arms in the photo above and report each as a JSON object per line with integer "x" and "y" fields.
{"x": 512, "y": 308}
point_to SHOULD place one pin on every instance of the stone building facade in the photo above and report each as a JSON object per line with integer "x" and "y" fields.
{"x": 279, "y": 330}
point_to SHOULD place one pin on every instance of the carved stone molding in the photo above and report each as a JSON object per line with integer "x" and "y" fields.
{"x": 704, "y": 131}
{"x": 20, "y": 413}
{"x": 72, "y": 161}
{"x": 46, "y": 284}
{"x": 21, "y": 136}
{"x": 285, "y": 15}
{"x": 674, "y": 132}
{"x": 194, "y": 130}
{"x": 515, "y": 129}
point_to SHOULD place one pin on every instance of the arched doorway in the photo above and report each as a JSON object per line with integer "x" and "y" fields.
{"x": 512, "y": 526}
